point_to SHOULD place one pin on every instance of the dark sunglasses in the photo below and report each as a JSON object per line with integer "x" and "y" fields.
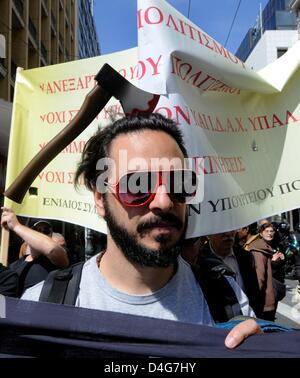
{"x": 138, "y": 188}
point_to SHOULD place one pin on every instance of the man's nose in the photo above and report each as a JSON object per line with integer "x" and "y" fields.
{"x": 161, "y": 200}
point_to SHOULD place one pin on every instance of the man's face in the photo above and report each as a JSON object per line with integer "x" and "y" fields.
{"x": 222, "y": 243}
{"x": 154, "y": 229}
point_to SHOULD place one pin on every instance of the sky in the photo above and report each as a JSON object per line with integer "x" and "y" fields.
{"x": 116, "y": 20}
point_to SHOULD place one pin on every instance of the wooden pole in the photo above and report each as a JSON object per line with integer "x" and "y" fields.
{"x": 4, "y": 246}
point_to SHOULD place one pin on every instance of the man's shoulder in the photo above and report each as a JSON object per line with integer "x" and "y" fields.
{"x": 34, "y": 292}
{"x": 7, "y": 273}
{"x": 18, "y": 263}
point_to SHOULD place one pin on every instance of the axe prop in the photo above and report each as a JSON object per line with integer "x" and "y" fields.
{"x": 109, "y": 83}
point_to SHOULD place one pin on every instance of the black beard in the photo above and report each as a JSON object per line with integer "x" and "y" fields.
{"x": 137, "y": 253}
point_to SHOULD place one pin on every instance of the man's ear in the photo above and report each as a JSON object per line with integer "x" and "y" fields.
{"x": 98, "y": 197}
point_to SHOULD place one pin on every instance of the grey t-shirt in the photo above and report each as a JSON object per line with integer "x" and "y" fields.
{"x": 180, "y": 299}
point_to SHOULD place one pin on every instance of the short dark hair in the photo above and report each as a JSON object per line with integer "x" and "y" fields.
{"x": 98, "y": 146}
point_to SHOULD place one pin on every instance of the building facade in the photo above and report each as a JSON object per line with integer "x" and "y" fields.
{"x": 44, "y": 32}
{"x": 37, "y": 33}
{"x": 271, "y": 46}
{"x": 275, "y": 16}
{"x": 87, "y": 45}
{"x": 295, "y": 7}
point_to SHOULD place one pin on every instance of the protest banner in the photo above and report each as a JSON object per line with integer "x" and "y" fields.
{"x": 39, "y": 329}
{"x": 241, "y": 127}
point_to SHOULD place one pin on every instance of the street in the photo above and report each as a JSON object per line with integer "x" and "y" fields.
{"x": 287, "y": 313}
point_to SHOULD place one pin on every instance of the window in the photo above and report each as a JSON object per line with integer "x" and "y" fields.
{"x": 281, "y": 51}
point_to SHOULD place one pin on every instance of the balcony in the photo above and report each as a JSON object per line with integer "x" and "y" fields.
{"x": 32, "y": 46}
{"x": 3, "y": 69}
{"x": 45, "y": 8}
{"x": 13, "y": 70}
{"x": 32, "y": 30}
{"x": 61, "y": 42}
{"x": 44, "y": 52}
{"x": 19, "y": 5}
{"x": 53, "y": 25}
{"x": 18, "y": 14}
{"x": 67, "y": 16}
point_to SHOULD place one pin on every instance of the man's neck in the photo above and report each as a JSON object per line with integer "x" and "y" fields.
{"x": 129, "y": 277}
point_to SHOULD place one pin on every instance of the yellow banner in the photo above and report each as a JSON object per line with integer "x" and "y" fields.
{"x": 46, "y": 100}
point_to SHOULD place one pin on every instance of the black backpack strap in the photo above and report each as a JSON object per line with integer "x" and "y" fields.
{"x": 62, "y": 286}
{"x": 22, "y": 273}
{"x": 220, "y": 296}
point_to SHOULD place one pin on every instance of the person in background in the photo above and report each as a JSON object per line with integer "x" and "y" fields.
{"x": 42, "y": 254}
{"x": 265, "y": 254}
{"x": 241, "y": 264}
{"x": 246, "y": 235}
{"x": 59, "y": 239}
{"x": 23, "y": 249}
{"x": 297, "y": 265}
{"x": 192, "y": 248}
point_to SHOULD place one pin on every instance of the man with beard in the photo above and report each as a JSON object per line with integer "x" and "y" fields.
{"x": 141, "y": 271}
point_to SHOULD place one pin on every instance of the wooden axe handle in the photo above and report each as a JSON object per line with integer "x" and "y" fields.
{"x": 94, "y": 102}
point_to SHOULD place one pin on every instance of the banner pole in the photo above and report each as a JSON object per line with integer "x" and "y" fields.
{"x": 4, "y": 246}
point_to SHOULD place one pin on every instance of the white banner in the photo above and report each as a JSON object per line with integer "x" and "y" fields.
{"x": 241, "y": 128}
{"x": 245, "y": 124}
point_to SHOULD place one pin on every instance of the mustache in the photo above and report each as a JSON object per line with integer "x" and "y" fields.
{"x": 166, "y": 220}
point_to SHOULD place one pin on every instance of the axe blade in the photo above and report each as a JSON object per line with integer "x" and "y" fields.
{"x": 133, "y": 99}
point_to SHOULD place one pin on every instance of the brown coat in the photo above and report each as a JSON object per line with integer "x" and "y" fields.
{"x": 263, "y": 253}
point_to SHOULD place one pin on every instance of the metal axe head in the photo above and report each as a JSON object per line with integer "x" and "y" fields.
{"x": 133, "y": 99}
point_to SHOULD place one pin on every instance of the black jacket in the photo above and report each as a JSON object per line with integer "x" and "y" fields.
{"x": 8, "y": 282}
{"x": 30, "y": 273}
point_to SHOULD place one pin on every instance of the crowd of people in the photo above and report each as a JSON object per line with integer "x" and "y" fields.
{"x": 148, "y": 268}
{"x": 258, "y": 256}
